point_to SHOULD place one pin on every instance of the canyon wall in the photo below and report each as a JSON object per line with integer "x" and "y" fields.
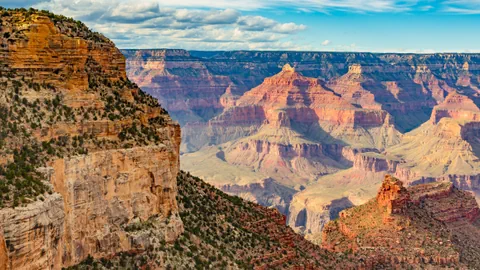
{"x": 106, "y": 153}
{"x": 383, "y": 79}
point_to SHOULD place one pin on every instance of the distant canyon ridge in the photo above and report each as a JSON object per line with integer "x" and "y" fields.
{"x": 313, "y": 133}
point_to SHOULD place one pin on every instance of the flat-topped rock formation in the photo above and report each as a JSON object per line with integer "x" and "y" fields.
{"x": 456, "y": 106}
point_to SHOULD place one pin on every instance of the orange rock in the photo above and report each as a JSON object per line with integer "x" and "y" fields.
{"x": 393, "y": 195}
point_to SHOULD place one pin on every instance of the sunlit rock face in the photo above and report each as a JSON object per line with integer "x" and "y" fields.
{"x": 396, "y": 226}
{"x": 308, "y": 122}
{"x": 96, "y": 193}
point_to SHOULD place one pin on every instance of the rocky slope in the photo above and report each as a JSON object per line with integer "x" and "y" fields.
{"x": 430, "y": 224}
{"x": 224, "y": 232}
{"x": 445, "y": 148}
{"x": 294, "y": 130}
{"x": 85, "y": 153}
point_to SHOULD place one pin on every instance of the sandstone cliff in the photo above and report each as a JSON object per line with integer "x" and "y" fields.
{"x": 85, "y": 152}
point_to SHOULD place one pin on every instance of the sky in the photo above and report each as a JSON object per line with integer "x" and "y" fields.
{"x": 419, "y": 26}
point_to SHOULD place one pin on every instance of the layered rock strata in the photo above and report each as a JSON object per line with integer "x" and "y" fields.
{"x": 402, "y": 226}
{"x": 95, "y": 154}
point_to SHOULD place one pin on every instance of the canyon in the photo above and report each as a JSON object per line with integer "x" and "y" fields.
{"x": 90, "y": 164}
{"x": 95, "y": 154}
{"x": 312, "y": 133}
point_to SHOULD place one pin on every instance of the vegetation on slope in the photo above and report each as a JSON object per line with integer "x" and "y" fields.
{"x": 29, "y": 107}
{"x": 429, "y": 224}
{"x": 221, "y": 232}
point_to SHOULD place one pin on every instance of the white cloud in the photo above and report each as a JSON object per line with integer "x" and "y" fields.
{"x": 326, "y": 42}
{"x": 318, "y": 5}
{"x": 303, "y": 5}
{"x": 154, "y": 25}
{"x": 450, "y": 6}
{"x": 471, "y": 7}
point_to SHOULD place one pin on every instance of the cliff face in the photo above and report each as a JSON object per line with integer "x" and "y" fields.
{"x": 95, "y": 156}
{"x": 105, "y": 191}
{"x": 33, "y": 235}
{"x": 183, "y": 84}
{"x": 407, "y": 86}
{"x": 419, "y": 225}
{"x": 292, "y": 129}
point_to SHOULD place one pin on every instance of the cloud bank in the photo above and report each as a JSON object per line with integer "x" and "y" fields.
{"x": 221, "y": 24}
{"x": 154, "y": 25}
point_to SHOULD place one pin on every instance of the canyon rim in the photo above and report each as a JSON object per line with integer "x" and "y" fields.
{"x": 226, "y": 158}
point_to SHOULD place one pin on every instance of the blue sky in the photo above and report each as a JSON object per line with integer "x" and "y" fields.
{"x": 318, "y": 25}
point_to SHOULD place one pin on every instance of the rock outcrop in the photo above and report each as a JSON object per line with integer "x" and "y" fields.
{"x": 393, "y": 196}
{"x": 105, "y": 191}
{"x": 419, "y": 225}
{"x": 456, "y": 106}
{"x": 95, "y": 157}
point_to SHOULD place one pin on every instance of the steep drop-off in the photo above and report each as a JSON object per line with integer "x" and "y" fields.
{"x": 84, "y": 152}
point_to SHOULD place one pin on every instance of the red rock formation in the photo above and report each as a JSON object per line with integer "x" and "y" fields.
{"x": 352, "y": 87}
{"x": 292, "y": 129}
{"x": 97, "y": 192}
{"x": 392, "y": 195}
{"x": 456, "y": 106}
{"x": 291, "y": 91}
{"x": 416, "y": 230}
